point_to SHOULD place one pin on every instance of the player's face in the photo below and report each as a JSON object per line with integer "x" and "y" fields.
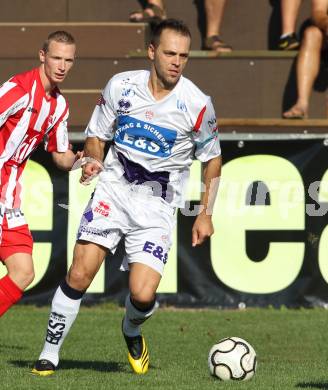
{"x": 57, "y": 61}
{"x": 170, "y": 57}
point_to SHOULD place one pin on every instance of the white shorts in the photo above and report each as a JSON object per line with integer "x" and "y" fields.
{"x": 118, "y": 209}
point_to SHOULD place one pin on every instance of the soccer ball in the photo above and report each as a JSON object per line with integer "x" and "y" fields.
{"x": 232, "y": 358}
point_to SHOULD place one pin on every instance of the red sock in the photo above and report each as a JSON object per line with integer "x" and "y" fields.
{"x": 10, "y": 293}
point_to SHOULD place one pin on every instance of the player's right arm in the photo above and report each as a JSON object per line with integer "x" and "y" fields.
{"x": 99, "y": 130}
{"x": 13, "y": 98}
{"x": 319, "y": 14}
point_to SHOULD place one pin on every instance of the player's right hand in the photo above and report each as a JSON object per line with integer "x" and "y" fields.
{"x": 89, "y": 171}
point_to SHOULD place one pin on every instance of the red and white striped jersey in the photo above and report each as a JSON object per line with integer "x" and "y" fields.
{"x": 27, "y": 117}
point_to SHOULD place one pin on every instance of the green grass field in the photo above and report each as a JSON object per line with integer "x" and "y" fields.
{"x": 291, "y": 346}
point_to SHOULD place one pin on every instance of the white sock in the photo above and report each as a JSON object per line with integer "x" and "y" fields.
{"x": 63, "y": 313}
{"x": 134, "y": 317}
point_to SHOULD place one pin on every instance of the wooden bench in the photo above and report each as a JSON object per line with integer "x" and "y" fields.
{"x": 247, "y": 24}
{"x": 94, "y": 40}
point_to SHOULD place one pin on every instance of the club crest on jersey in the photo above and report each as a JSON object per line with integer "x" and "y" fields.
{"x": 102, "y": 208}
{"x": 124, "y": 106}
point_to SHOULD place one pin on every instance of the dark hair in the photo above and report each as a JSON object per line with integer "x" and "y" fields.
{"x": 169, "y": 24}
{"x": 58, "y": 36}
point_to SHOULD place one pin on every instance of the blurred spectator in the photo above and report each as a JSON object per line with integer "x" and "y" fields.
{"x": 214, "y": 10}
{"x": 308, "y": 61}
{"x": 289, "y": 12}
{"x": 154, "y": 11}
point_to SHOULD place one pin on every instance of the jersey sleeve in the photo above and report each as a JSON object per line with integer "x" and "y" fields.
{"x": 57, "y": 139}
{"x": 205, "y": 134}
{"x": 13, "y": 98}
{"x": 103, "y": 117}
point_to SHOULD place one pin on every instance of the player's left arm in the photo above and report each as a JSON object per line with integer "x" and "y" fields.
{"x": 203, "y": 226}
{"x": 56, "y": 142}
{"x": 65, "y": 160}
{"x": 208, "y": 151}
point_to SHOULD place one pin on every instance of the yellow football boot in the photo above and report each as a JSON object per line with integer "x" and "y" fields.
{"x": 138, "y": 355}
{"x": 43, "y": 368}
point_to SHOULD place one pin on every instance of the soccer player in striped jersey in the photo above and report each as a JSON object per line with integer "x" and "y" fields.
{"x": 32, "y": 110}
{"x": 157, "y": 121}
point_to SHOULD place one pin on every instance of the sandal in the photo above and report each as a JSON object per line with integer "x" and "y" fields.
{"x": 155, "y": 16}
{"x": 295, "y": 113}
{"x": 215, "y": 43}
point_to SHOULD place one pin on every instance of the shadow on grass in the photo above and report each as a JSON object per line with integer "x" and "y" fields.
{"x": 67, "y": 364}
{"x": 313, "y": 385}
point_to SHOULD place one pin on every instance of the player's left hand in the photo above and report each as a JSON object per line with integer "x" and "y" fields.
{"x": 202, "y": 229}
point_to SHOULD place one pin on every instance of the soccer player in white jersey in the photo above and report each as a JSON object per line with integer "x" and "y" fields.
{"x": 156, "y": 122}
{"x": 32, "y": 110}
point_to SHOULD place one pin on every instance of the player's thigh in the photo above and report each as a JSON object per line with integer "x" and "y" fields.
{"x": 87, "y": 259}
{"x": 143, "y": 282}
{"x": 20, "y": 269}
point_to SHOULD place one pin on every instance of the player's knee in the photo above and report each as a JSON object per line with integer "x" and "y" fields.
{"x": 79, "y": 278}
{"x": 28, "y": 277}
{"x": 312, "y": 35}
{"x": 22, "y": 277}
{"x": 143, "y": 298}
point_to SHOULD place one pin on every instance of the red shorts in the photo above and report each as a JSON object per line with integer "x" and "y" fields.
{"x": 14, "y": 240}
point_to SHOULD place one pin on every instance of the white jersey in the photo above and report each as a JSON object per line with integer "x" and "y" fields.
{"x": 154, "y": 140}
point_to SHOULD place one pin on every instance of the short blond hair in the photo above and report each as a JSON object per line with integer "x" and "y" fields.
{"x": 58, "y": 36}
